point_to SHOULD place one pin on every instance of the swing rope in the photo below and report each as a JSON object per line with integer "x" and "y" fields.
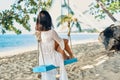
{"x": 69, "y": 28}
{"x": 40, "y": 49}
{"x": 39, "y": 6}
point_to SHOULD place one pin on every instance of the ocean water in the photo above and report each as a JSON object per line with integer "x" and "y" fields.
{"x": 9, "y": 42}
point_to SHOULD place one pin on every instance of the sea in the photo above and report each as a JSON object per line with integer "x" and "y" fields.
{"x": 10, "y": 42}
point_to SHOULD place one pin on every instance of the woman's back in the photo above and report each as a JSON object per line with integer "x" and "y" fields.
{"x": 47, "y": 41}
{"x": 46, "y": 36}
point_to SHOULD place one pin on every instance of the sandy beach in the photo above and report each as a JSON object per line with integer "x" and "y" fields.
{"x": 93, "y": 64}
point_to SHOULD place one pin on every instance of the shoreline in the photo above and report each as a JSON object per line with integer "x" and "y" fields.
{"x": 22, "y": 50}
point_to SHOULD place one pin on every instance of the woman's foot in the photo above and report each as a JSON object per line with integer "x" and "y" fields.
{"x": 71, "y": 56}
{"x": 65, "y": 57}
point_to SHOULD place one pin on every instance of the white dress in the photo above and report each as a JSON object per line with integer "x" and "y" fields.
{"x": 51, "y": 56}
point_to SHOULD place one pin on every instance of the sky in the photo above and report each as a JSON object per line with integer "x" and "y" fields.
{"x": 79, "y": 6}
{"x": 5, "y": 4}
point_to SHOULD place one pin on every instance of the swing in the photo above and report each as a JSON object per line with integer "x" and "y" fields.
{"x": 45, "y": 68}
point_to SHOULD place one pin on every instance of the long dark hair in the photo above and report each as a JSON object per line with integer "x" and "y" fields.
{"x": 44, "y": 21}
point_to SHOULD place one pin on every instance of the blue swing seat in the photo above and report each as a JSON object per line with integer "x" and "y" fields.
{"x": 70, "y": 61}
{"x": 45, "y": 68}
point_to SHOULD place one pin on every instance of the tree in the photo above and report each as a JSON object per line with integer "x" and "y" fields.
{"x": 20, "y": 12}
{"x": 103, "y": 7}
{"x": 68, "y": 18}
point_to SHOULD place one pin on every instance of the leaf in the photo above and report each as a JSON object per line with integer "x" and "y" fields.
{"x": 69, "y": 9}
{"x": 97, "y": 6}
{"x": 19, "y": 1}
{"x": 64, "y": 5}
{"x": 60, "y": 17}
{"x": 18, "y": 32}
{"x": 19, "y": 7}
{"x": 78, "y": 26}
{"x": 35, "y": 19}
{"x": 26, "y": 26}
{"x": 72, "y": 23}
{"x": 58, "y": 24}
{"x": 3, "y": 31}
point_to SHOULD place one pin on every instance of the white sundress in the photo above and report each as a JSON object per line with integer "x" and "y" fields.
{"x": 51, "y": 56}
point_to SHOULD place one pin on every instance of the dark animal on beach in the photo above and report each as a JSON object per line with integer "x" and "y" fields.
{"x": 110, "y": 37}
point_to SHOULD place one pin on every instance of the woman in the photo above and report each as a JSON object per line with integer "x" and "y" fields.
{"x": 47, "y": 37}
{"x": 57, "y": 48}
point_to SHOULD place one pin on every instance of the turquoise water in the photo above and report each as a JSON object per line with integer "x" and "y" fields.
{"x": 8, "y": 42}
{"x": 12, "y": 41}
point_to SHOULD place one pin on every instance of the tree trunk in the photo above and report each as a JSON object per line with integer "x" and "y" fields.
{"x": 106, "y": 11}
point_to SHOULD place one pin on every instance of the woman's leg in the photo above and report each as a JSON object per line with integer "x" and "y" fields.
{"x": 67, "y": 48}
{"x": 57, "y": 48}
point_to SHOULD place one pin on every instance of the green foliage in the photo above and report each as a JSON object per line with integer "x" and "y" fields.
{"x": 113, "y": 6}
{"x": 63, "y": 18}
{"x": 78, "y": 26}
{"x": 20, "y": 12}
{"x": 65, "y": 5}
{"x": 68, "y": 17}
{"x": 46, "y": 4}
